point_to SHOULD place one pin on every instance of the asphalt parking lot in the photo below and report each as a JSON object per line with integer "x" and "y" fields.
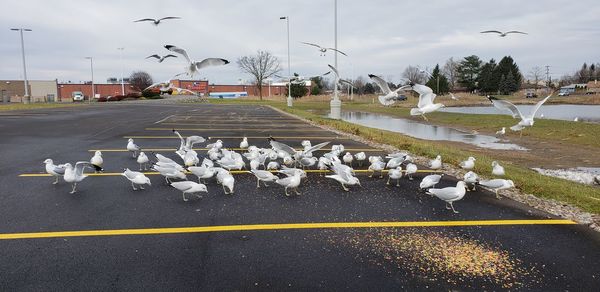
{"x": 107, "y": 236}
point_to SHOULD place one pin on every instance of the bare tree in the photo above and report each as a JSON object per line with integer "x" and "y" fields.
{"x": 359, "y": 84}
{"x": 140, "y": 80}
{"x": 261, "y": 66}
{"x": 414, "y": 74}
{"x": 536, "y": 74}
{"x": 450, "y": 70}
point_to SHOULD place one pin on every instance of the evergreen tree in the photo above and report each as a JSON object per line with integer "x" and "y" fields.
{"x": 444, "y": 87}
{"x": 369, "y": 88}
{"x": 297, "y": 89}
{"x": 508, "y": 65}
{"x": 468, "y": 71}
{"x": 503, "y": 87}
{"x": 487, "y": 80}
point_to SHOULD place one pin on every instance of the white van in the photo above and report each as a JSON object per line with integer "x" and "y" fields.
{"x": 77, "y": 96}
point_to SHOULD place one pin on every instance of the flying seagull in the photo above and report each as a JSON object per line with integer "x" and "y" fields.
{"x": 194, "y": 67}
{"x": 526, "y": 120}
{"x": 323, "y": 50}
{"x": 157, "y": 21}
{"x": 337, "y": 76}
{"x": 390, "y": 96}
{"x": 426, "y": 98}
{"x": 503, "y": 34}
{"x": 159, "y": 58}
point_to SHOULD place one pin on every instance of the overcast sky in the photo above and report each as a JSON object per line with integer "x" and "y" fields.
{"x": 380, "y": 36}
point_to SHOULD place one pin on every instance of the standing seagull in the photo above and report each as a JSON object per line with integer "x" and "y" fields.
{"x": 526, "y": 121}
{"x": 503, "y": 34}
{"x": 390, "y": 96}
{"x": 54, "y": 170}
{"x": 468, "y": 164}
{"x": 161, "y": 59}
{"x": 436, "y": 163}
{"x": 157, "y": 21}
{"x": 194, "y": 67}
{"x": 501, "y": 131}
{"x": 189, "y": 187}
{"x": 430, "y": 181}
{"x": 264, "y": 176}
{"x": 323, "y": 50}
{"x": 136, "y": 178}
{"x": 450, "y": 194}
{"x": 143, "y": 160}
{"x": 75, "y": 174}
{"x": 426, "y": 98}
{"x": 497, "y": 184}
{"x": 97, "y": 161}
{"x": 132, "y": 147}
{"x": 497, "y": 169}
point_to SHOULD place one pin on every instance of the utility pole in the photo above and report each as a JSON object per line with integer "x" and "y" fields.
{"x": 335, "y": 104}
{"x": 26, "y": 99}
{"x": 547, "y": 76}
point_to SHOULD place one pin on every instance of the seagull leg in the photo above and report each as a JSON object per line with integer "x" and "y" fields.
{"x": 345, "y": 188}
{"x": 455, "y": 212}
{"x": 410, "y": 177}
{"x": 388, "y": 181}
{"x": 398, "y": 182}
{"x": 257, "y": 183}
{"x": 381, "y": 174}
{"x": 497, "y": 196}
{"x": 447, "y": 206}
{"x": 373, "y": 172}
{"x": 141, "y": 187}
{"x": 184, "y": 198}
{"x": 296, "y": 191}
{"x": 55, "y": 181}
{"x": 74, "y": 188}
{"x": 286, "y": 193}
{"x": 133, "y": 186}
{"x": 425, "y": 118}
{"x": 167, "y": 179}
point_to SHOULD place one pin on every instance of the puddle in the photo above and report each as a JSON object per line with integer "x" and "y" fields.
{"x": 582, "y": 175}
{"x": 427, "y": 132}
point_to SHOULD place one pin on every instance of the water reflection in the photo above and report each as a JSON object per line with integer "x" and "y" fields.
{"x": 425, "y": 131}
{"x": 566, "y": 112}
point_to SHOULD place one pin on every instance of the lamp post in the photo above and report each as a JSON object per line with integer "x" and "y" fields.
{"x": 336, "y": 103}
{"x": 121, "y": 61}
{"x": 92, "y": 69}
{"x": 26, "y": 97}
{"x": 289, "y": 98}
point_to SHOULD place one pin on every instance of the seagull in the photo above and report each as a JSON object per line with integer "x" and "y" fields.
{"x": 348, "y": 158}
{"x": 225, "y": 179}
{"x": 450, "y": 194}
{"x": 497, "y": 169}
{"x": 323, "y": 50}
{"x": 264, "y": 176}
{"x": 157, "y": 21}
{"x": 338, "y": 79}
{"x": 273, "y": 165}
{"x": 497, "y": 184}
{"x": 377, "y": 165}
{"x": 471, "y": 179}
{"x": 143, "y": 160}
{"x": 292, "y": 182}
{"x": 202, "y": 172}
{"x": 526, "y": 121}
{"x": 426, "y": 98}
{"x": 189, "y": 187}
{"x": 453, "y": 97}
{"x": 186, "y": 145}
{"x": 503, "y": 34}
{"x": 390, "y": 96}
{"x": 436, "y": 163}
{"x": 136, "y": 178}
{"x": 396, "y": 174}
{"x": 132, "y": 147}
{"x": 411, "y": 169}
{"x": 97, "y": 161}
{"x": 468, "y": 164}
{"x": 194, "y": 67}
{"x": 169, "y": 173}
{"x": 343, "y": 174}
{"x": 161, "y": 59}
{"x": 54, "y": 170}
{"x": 360, "y": 157}
{"x": 430, "y": 181}
{"x": 501, "y": 131}
{"x": 75, "y": 174}
{"x": 244, "y": 143}
{"x": 576, "y": 119}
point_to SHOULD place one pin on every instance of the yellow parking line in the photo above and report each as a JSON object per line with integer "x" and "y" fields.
{"x": 233, "y": 124}
{"x": 232, "y": 172}
{"x": 236, "y": 129}
{"x": 281, "y": 226}
{"x": 235, "y": 149}
{"x": 240, "y": 137}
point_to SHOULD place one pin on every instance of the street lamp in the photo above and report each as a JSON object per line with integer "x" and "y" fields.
{"x": 26, "y": 97}
{"x": 93, "y": 89}
{"x": 289, "y": 98}
{"x": 121, "y": 61}
{"x": 336, "y": 103}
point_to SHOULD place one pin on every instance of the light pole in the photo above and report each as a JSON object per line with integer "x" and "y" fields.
{"x": 121, "y": 61}
{"x": 26, "y": 97}
{"x": 289, "y": 98}
{"x": 336, "y": 103}
{"x": 93, "y": 89}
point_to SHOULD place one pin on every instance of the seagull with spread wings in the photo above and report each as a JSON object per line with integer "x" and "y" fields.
{"x": 161, "y": 59}
{"x": 503, "y": 34}
{"x": 526, "y": 120}
{"x": 323, "y": 50}
{"x": 391, "y": 96}
{"x": 426, "y": 98}
{"x": 193, "y": 67}
{"x": 157, "y": 21}
{"x": 338, "y": 79}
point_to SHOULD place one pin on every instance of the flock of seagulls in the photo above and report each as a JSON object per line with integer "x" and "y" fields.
{"x": 280, "y": 164}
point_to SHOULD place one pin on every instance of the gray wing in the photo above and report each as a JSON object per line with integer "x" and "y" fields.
{"x": 381, "y": 83}
{"x": 346, "y": 82}
{"x": 515, "y": 31}
{"x": 445, "y": 193}
{"x": 191, "y": 140}
{"x": 538, "y": 105}
{"x": 506, "y": 105}
{"x": 492, "y": 31}
{"x": 153, "y": 56}
{"x": 60, "y": 169}
{"x": 314, "y": 45}
{"x": 211, "y": 62}
{"x": 178, "y": 51}
{"x": 315, "y": 148}
{"x": 338, "y": 51}
{"x": 283, "y": 147}
{"x": 169, "y": 17}
{"x": 335, "y": 71}
{"x": 145, "y": 19}
{"x": 80, "y": 166}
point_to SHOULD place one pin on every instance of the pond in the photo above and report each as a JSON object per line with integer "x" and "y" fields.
{"x": 425, "y": 131}
{"x": 567, "y": 112}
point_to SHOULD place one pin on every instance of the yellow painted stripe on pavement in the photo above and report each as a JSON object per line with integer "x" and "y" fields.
{"x": 236, "y": 129}
{"x": 283, "y": 226}
{"x": 235, "y": 149}
{"x": 240, "y": 137}
{"x": 232, "y": 172}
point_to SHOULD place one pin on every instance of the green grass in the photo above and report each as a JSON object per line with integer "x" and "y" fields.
{"x": 21, "y": 106}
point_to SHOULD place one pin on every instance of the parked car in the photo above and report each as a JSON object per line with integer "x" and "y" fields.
{"x": 531, "y": 95}
{"x": 564, "y": 93}
{"x": 77, "y": 96}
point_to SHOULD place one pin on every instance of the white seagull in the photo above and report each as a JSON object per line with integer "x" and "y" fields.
{"x": 526, "y": 120}
{"x": 292, "y": 181}
{"x": 169, "y": 173}
{"x": 497, "y": 169}
{"x": 471, "y": 179}
{"x": 189, "y": 187}
{"x": 453, "y": 97}
{"x": 430, "y": 181}
{"x": 501, "y": 131}
{"x": 450, "y": 194}
{"x": 391, "y": 96}
{"x": 338, "y": 79}
{"x": 426, "y": 98}
{"x": 497, "y": 185}
{"x": 161, "y": 59}
{"x": 54, "y": 170}
{"x": 468, "y": 164}
{"x": 503, "y": 34}
{"x": 194, "y": 67}
{"x": 323, "y": 50}
{"x": 97, "y": 161}
{"x": 436, "y": 163}
{"x": 348, "y": 158}
{"x": 136, "y": 178}
{"x": 132, "y": 147}
{"x": 396, "y": 174}
{"x": 202, "y": 172}
{"x": 411, "y": 169}
{"x": 75, "y": 174}
{"x": 264, "y": 176}
{"x": 360, "y": 157}
{"x": 157, "y": 21}
{"x": 143, "y": 160}
{"x": 244, "y": 143}
{"x": 343, "y": 174}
